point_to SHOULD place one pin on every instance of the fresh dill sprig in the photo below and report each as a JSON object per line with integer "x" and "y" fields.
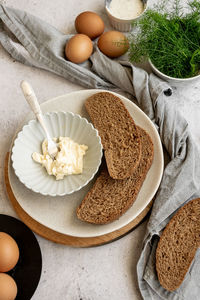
{"x": 171, "y": 39}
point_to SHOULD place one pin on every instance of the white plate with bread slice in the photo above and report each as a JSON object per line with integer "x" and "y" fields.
{"x": 60, "y": 213}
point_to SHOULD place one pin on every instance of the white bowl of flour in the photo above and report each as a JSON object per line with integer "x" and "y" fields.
{"x": 121, "y": 13}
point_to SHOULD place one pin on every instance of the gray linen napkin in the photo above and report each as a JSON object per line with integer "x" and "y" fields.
{"x": 36, "y": 43}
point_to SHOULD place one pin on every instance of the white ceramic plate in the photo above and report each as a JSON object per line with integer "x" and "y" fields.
{"x": 30, "y": 139}
{"x": 59, "y": 213}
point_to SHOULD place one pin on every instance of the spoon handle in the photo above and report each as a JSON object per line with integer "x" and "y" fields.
{"x": 31, "y": 97}
{"x": 33, "y": 102}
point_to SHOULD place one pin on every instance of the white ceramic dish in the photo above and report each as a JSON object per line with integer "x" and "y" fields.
{"x": 123, "y": 25}
{"x": 30, "y": 139}
{"x": 172, "y": 80}
{"x": 59, "y": 213}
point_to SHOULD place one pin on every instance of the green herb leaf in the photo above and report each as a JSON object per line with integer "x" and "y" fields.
{"x": 170, "y": 38}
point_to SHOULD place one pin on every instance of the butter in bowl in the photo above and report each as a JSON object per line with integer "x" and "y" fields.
{"x": 35, "y": 168}
{"x": 122, "y": 13}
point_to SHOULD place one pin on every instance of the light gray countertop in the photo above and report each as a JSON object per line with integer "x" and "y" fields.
{"x": 105, "y": 272}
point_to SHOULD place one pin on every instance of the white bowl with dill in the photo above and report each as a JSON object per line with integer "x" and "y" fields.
{"x": 173, "y": 80}
{"x": 169, "y": 38}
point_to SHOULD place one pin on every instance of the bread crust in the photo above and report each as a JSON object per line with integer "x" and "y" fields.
{"x": 177, "y": 245}
{"x": 118, "y": 132}
{"x": 108, "y": 199}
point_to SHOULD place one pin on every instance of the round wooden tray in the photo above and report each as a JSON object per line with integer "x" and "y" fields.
{"x": 60, "y": 238}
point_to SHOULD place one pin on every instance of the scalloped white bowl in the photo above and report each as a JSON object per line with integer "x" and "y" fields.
{"x": 30, "y": 139}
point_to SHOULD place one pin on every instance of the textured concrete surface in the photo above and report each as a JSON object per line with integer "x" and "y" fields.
{"x": 106, "y": 272}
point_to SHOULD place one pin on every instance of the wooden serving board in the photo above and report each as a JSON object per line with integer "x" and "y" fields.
{"x": 60, "y": 238}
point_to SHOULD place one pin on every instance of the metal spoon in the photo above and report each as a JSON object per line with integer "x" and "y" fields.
{"x": 33, "y": 102}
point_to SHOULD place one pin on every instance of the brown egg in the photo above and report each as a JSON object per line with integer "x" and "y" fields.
{"x": 113, "y": 43}
{"x": 8, "y": 287}
{"x": 9, "y": 252}
{"x": 78, "y": 48}
{"x": 89, "y": 23}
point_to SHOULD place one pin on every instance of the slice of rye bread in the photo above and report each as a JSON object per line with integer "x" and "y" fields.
{"x": 109, "y": 198}
{"x": 177, "y": 245}
{"x": 118, "y": 132}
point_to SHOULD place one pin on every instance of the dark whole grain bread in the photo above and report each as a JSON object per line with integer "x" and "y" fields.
{"x": 118, "y": 132}
{"x": 110, "y": 198}
{"x": 177, "y": 245}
